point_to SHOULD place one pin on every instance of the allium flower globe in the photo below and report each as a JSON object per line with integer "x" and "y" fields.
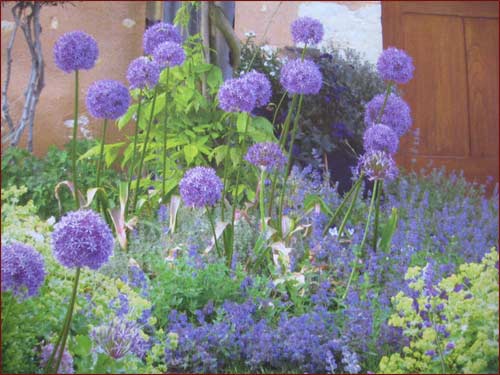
{"x": 159, "y": 33}
{"x": 266, "y": 155}
{"x": 66, "y": 366}
{"x": 169, "y": 54}
{"x": 395, "y": 65}
{"x": 237, "y": 95}
{"x": 107, "y": 99}
{"x": 397, "y": 114}
{"x": 82, "y": 239}
{"x": 200, "y": 187}
{"x": 380, "y": 137}
{"x": 118, "y": 338}
{"x": 23, "y": 270}
{"x": 301, "y": 77}
{"x": 378, "y": 165}
{"x": 307, "y": 30}
{"x": 75, "y": 50}
{"x": 261, "y": 87}
{"x": 143, "y": 72}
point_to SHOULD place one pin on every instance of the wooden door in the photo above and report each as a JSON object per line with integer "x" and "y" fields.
{"x": 454, "y": 93}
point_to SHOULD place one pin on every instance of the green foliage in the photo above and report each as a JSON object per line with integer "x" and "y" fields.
{"x": 28, "y": 324}
{"x": 469, "y": 315}
{"x": 41, "y": 175}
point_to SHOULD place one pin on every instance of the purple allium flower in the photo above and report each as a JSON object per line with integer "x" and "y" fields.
{"x": 396, "y": 114}
{"x": 74, "y": 51}
{"x": 159, "y": 33}
{"x": 107, "y": 99}
{"x": 66, "y": 366}
{"x": 82, "y": 238}
{"x": 380, "y": 137}
{"x": 378, "y": 165}
{"x": 169, "y": 54}
{"x": 301, "y": 77}
{"x": 395, "y": 65}
{"x": 23, "y": 270}
{"x": 143, "y": 72}
{"x": 307, "y": 30}
{"x": 200, "y": 187}
{"x": 450, "y": 345}
{"x": 261, "y": 87}
{"x": 430, "y": 353}
{"x": 118, "y": 338}
{"x": 237, "y": 95}
{"x": 266, "y": 155}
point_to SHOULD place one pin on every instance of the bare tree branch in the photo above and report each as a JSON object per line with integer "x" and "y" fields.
{"x": 221, "y": 22}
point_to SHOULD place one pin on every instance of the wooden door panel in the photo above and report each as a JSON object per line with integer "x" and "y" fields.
{"x": 454, "y": 94}
{"x": 481, "y": 39}
{"x": 438, "y": 92}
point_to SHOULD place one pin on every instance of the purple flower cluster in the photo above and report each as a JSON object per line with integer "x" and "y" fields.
{"x": 261, "y": 87}
{"x": 395, "y": 65}
{"x": 159, "y": 33}
{"x": 23, "y": 270}
{"x": 169, "y": 54}
{"x": 301, "y": 77}
{"x": 396, "y": 113}
{"x": 200, "y": 187}
{"x": 237, "y": 95}
{"x": 306, "y": 343}
{"x": 143, "y": 72}
{"x": 82, "y": 239}
{"x": 107, "y": 99}
{"x": 380, "y": 137}
{"x": 66, "y": 366}
{"x": 74, "y": 51}
{"x": 119, "y": 338}
{"x": 307, "y": 30}
{"x": 378, "y": 165}
{"x": 266, "y": 155}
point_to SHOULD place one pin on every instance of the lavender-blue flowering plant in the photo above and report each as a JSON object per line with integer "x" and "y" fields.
{"x": 159, "y": 33}
{"x": 75, "y": 50}
{"x": 301, "y": 77}
{"x": 143, "y": 72}
{"x": 200, "y": 187}
{"x": 395, "y": 65}
{"x": 107, "y": 99}
{"x": 307, "y": 30}
{"x": 380, "y": 137}
{"x": 396, "y": 113}
{"x": 169, "y": 54}
{"x": 237, "y": 95}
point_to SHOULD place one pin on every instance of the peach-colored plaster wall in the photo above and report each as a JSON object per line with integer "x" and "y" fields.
{"x": 118, "y": 29}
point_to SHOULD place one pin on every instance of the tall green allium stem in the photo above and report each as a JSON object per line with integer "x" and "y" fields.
{"x": 165, "y": 124}
{"x": 226, "y": 170}
{"x": 211, "y": 215}
{"x": 290, "y": 159}
{"x": 134, "y": 152}
{"x": 58, "y": 351}
{"x": 349, "y": 210}
{"x": 10, "y": 301}
{"x": 360, "y": 250}
{"x": 341, "y": 205}
{"x": 387, "y": 93}
{"x": 377, "y": 212}
{"x": 73, "y": 144}
{"x": 101, "y": 154}
{"x": 261, "y": 200}
{"x": 229, "y": 252}
{"x": 144, "y": 149}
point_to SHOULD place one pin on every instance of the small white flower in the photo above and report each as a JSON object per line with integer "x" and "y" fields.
{"x": 51, "y": 220}
{"x": 333, "y": 232}
{"x": 250, "y": 34}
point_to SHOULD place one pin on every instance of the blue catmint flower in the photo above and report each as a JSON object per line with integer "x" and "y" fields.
{"x": 450, "y": 345}
{"x": 395, "y": 65}
{"x": 237, "y": 95}
{"x": 143, "y": 72}
{"x": 66, "y": 366}
{"x": 396, "y": 115}
{"x": 378, "y": 165}
{"x": 301, "y": 77}
{"x": 82, "y": 239}
{"x": 380, "y": 137}
{"x": 23, "y": 270}
{"x": 260, "y": 85}
{"x": 75, "y": 50}
{"x": 266, "y": 155}
{"x": 169, "y": 54}
{"x": 107, "y": 99}
{"x": 307, "y": 30}
{"x": 159, "y": 33}
{"x": 430, "y": 353}
{"x": 118, "y": 338}
{"x": 200, "y": 187}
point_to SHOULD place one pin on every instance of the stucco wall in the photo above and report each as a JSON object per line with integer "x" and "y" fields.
{"x": 354, "y": 24}
{"x": 118, "y": 29}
